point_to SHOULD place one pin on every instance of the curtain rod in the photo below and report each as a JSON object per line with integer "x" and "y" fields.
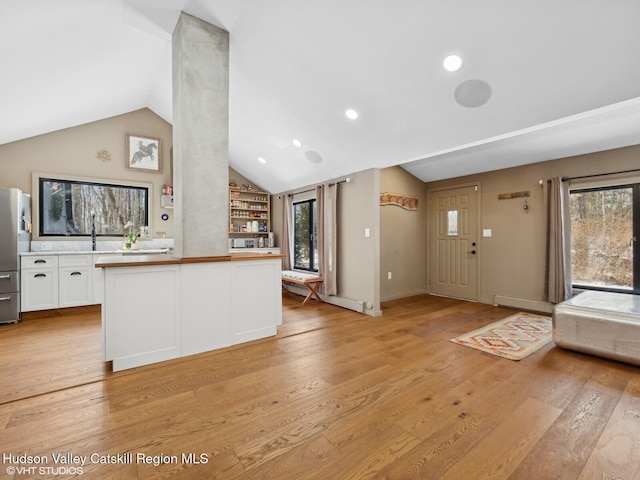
{"x": 313, "y": 189}
{"x": 564, "y": 179}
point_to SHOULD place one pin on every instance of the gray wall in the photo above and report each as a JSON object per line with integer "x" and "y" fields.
{"x": 358, "y": 256}
{"x": 403, "y": 241}
{"x": 73, "y": 152}
{"x": 512, "y": 261}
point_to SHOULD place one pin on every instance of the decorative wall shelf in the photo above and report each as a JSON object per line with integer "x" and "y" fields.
{"x": 403, "y": 201}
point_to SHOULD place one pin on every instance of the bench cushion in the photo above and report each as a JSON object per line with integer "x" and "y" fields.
{"x": 300, "y": 276}
{"x": 600, "y": 323}
{"x": 310, "y": 280}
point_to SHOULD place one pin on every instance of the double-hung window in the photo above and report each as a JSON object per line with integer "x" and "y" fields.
{"x": 305, "y": 249}
{"x": 605, "y": 224}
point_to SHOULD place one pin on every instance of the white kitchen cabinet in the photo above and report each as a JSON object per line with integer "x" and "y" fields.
{"x": 154, "y": 312}
{"x": 39, "y": 283}
{"x": 98, "y": 282}
{"x": 98, "y": 279}
{"x": 75, "y": 277}
{"x": 62, "y": 280}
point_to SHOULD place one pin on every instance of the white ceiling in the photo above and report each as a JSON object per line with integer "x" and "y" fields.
{"x": 565, "y": 78}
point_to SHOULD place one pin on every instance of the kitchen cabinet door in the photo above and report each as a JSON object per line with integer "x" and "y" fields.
{"x": 39, "y": 289}
{"x": 76, "y": 286}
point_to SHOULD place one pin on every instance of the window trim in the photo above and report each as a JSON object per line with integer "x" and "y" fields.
{"x": 634, "y": 184}
{"x": 36, "y": 202}
{"x": 313, "y": 222}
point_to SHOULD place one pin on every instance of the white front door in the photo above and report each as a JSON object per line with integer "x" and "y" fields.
{"x": 453, "y": 252}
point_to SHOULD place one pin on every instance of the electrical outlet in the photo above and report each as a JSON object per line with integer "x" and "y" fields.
{"x": 388, "y": 275}
{"x": 45, "y": 246}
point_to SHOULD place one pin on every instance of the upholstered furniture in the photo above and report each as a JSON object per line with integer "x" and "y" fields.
{"x": 600, "y": 323}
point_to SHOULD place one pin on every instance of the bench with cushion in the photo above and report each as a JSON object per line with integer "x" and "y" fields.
{"x": 310, "y": 280}
{"x": 600, "y": 323}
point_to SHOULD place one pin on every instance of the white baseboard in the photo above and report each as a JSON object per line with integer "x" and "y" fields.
{"x": 355, "y": 305}
{"x": 404, "y": 295}
{"x": 532, "y": 305}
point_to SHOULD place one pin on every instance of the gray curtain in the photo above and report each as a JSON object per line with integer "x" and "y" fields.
{"x": 558, "y": 271}
{"x": 287, "y": 228}
{"x": 326, "y": 205}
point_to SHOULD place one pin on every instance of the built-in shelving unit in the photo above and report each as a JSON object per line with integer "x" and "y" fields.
{"x": 249, "y": 212}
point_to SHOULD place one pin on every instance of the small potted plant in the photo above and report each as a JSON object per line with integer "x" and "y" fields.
{"x": 131, "y": 237}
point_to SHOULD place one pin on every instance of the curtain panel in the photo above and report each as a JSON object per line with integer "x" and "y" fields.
{"x": 558, "y": 268}
{"x": 287, "y": 232}
{"x": 326, "y": 204}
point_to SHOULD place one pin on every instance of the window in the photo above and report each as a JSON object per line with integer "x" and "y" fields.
{"x": 305, "y": 250}
{"x": 604, "y": 227}
{"x": 67, "y": 207}
{"x": 452, "y": 223}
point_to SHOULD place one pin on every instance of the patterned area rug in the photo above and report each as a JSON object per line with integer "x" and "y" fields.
{"x": 514, "y": 337}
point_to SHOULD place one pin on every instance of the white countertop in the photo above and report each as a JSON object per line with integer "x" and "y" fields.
{"x": 94, "y": 252}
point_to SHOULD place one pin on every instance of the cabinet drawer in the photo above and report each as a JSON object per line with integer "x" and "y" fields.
{"x": 75, "y": 260}
{"x": 44, "y": 261}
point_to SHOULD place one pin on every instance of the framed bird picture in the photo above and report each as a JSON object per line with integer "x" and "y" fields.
{"x": 143, "y": 153}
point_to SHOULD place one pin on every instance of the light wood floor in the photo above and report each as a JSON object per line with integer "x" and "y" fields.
{"x": 336, "y": 395}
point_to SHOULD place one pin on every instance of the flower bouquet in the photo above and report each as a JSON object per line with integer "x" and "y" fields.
{"x": 131, "y": 237}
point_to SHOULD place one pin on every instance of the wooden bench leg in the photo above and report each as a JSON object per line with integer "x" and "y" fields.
{"x": 312, "y": 286}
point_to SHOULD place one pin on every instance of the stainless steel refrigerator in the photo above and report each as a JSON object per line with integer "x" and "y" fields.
{"x": 15, "y": 237}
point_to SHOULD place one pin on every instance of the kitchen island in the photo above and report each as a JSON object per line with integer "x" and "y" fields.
{"x": 159, "y": 307}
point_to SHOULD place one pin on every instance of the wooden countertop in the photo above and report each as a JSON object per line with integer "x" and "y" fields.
{"x": 151, "y": 260}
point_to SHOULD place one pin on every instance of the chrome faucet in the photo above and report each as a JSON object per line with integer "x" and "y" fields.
{"x": 93, "y": 232}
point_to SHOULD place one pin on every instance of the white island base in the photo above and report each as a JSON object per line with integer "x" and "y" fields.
{"x": 158, "y": 309}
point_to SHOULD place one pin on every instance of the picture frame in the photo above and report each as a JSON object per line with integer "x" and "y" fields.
{"x": 143, "y": 153}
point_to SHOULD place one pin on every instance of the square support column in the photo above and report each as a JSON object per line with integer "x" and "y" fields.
{"x": 200, "y": 138}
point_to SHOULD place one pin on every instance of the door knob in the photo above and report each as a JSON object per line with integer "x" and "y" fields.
{"x": 472, "y": 252}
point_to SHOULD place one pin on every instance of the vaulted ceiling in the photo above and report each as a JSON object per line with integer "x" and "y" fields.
{"x": 561, "y": 78}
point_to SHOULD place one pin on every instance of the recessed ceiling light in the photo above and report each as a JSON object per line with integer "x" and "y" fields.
{"x": 452, "y": 63}
{"x": 262, "y": 160}
{"x": 351, "y": 114}
{"x": 296, "y": 142}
